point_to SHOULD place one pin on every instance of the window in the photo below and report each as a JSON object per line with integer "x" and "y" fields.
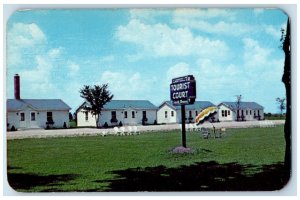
{"x": 190, "y": 114}
{"x": 113, "y": 114}
{"x": 125, "y": 114}
{"x": 228, "y": 112}
{"x": 166, "y": 114}
{"x": 33, "y": 116}
{"x": 22, "y": 116}
{"x": 223, "y": 113}
{"x": 113, "y": 117}
{"x": 250, "y": 112}
{"x": 246, "y": 112}
{"x": 144, "y": 115}
{"x": 86, "y": 115}
{"x": 196, "y": 113}
{"x": 49, "y": 117}
{"x": 133, "y": 114}
{"x": 172, "y": 113}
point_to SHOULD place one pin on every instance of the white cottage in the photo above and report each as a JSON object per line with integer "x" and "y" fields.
{"x": 248, "y": 111}
{"x": 128, "y": 112}
{"x": 168, "y": 113}
{"x": 35, "y": 113}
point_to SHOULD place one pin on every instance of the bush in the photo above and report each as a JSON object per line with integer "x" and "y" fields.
{"x": 120, "y": 124}
{"x": 13, "y": 128}
{"x": 105, "y": 125}
{"x": 65, "y": 125}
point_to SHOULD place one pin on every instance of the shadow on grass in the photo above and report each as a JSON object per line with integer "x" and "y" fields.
{"x": 23, "y": 182}
{"x": 203, "y": 176}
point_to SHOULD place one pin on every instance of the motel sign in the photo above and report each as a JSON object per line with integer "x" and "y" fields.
{"x": 183, "y": 90}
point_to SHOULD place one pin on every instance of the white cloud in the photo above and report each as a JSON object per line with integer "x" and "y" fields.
{"x": 38, "y": 79}
{"x": 201, "y": 14}
{"x": 22, "y": 38}
{"x": 255, "y": 56}
{"x": 220, "y": 27}
{"x": 73, "y": 68}
{"x": 25, "y": 35}
{"x": 127, "y": 85}
{"x": 161, "y": 40}
{"x": 177, "y": 70}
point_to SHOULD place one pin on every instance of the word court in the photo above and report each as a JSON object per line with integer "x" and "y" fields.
{"x": 183, "y": 90}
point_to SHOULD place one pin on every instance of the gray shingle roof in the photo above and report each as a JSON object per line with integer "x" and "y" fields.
{"x": 243, "y": 105}
{"x": 197, "y": 105}
{"x": 124, "y": 104}
{"x": 36, "y": 104}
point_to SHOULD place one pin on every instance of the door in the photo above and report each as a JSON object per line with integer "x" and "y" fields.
{"x": 33, "y": 120}
{"x": 22, "y": 120}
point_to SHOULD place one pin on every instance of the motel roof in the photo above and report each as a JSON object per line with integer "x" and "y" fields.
{"x": 36, "y": 104}
{"x": 243, "y": 105}
{"x": 125, "y": 104}
{"x": 197, "y": 105}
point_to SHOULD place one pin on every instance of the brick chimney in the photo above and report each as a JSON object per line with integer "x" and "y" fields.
{"x": 17, "y": 86}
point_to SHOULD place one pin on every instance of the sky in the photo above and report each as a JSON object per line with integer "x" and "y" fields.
{"x": 138, "y": 51}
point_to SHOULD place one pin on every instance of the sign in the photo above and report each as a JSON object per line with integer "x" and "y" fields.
{"x": 183, "y": 90}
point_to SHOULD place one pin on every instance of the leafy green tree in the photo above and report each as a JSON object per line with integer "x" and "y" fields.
{"x": 96, "y": 97}
{"x": 281, "y": 103}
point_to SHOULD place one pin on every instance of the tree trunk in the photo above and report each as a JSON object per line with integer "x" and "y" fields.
{"x": 97, "y": 120}
{"x": 286, "y": 79}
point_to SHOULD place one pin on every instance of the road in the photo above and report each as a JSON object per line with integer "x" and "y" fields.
{"x": 73, "y": 132}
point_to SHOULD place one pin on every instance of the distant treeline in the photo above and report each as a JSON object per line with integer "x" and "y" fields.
{"x": 271, "y": 116}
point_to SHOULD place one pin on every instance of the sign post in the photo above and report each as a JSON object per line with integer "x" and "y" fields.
{"x": 183, "y": 132}
{"x": 183, "y": 92}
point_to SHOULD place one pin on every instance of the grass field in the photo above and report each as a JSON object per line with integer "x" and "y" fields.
{"x": 246, "y": 159}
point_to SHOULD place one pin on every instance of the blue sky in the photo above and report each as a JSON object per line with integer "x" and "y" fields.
{"x": 138, "y": 51}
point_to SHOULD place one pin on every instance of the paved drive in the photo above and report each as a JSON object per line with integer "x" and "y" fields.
{"x": 41, "y": 133}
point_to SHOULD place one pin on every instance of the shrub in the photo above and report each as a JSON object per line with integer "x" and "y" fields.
{"x": 13, "y": 128}
{"x": 105, "y": 125}
{"x": 65, "y": 125}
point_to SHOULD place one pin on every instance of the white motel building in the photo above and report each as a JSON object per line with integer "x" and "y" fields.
{"x": 128, "y": 112}
{"x": 139, "y": 112}
{"x": 35, "y": 113}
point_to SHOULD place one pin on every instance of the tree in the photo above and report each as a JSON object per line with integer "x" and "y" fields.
{"x": 70, "y": 116}
{"x": 96, "y": 97}
{"x": 281, "y": 103}
{"x": 286, "y": 79}
{"x": 238, "y": 105}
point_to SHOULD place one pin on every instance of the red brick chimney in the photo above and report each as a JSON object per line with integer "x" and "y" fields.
{"x": 17, "y": 86}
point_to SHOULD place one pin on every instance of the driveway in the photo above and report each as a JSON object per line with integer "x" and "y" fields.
{"x": 73, "y": 132}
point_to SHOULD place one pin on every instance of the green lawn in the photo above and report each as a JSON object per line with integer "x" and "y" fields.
{"x": 238, "y": 161}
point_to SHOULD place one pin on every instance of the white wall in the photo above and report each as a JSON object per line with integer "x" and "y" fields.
{"x": 161, "y": 117}
{"x": 14, "y": 119}
{"x": 81, "y": 121}
{"x": 120, "y": 115}
{"x": 250, "y": 117}
{"x": 230, "y": 117}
